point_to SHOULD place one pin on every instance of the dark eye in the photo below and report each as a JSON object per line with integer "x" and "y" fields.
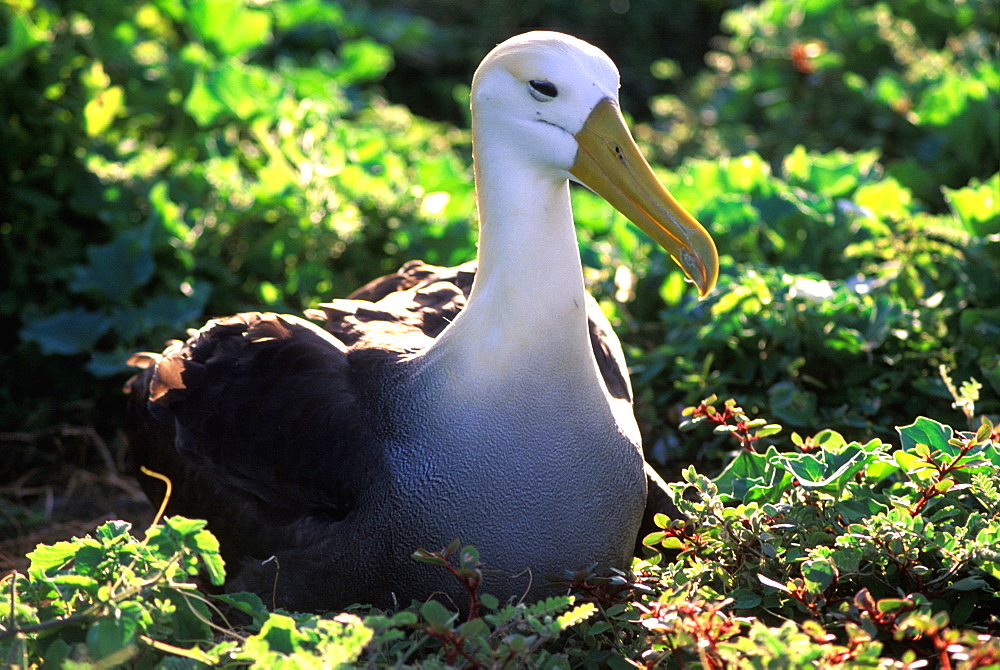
{"x": 543, "y": 91}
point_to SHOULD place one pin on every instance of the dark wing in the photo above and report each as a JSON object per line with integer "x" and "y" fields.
{"x": 262, "y": 409}
{"x": 404, "y": 311}
{"x": 408, "y": 309}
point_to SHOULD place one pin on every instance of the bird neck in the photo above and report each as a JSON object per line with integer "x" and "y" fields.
{"x": 527, "y": 305}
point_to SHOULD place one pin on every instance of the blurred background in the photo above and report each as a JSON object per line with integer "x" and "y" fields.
{"x": 166, "y": 161}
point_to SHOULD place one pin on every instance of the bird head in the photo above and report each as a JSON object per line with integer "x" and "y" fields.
{"x": 554, "y": 99}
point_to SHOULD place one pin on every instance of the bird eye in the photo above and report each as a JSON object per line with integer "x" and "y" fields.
{"x": 542, "y": 91}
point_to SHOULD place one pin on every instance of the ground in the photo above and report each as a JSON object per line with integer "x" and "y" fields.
{"x": 62, "y": 482}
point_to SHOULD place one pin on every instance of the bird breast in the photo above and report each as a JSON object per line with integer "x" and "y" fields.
{"x": 536, "y": 475}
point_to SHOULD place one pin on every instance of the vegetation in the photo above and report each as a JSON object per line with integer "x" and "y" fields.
{"x": 836, "y": 555}
{"x": 165, "y": 160}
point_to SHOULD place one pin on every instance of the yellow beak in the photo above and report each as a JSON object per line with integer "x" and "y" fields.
{"x": 610, "y": 164}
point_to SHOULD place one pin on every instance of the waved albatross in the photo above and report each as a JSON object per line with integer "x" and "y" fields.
{"x": 491, "y": 405}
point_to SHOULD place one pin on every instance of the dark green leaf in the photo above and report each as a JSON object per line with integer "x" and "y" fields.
{"x": 70, "y": 332}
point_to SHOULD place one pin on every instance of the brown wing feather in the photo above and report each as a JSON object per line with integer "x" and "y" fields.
{"x": 404, "y": 311}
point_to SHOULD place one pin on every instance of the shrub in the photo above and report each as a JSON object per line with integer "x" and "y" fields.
{"x": 170, "y": 160}
{"x": 834, "y": 554}
{"x": 916, "y": 81}
{"x": 845, "y": 301}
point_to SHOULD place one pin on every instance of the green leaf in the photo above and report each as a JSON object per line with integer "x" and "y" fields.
{"x": 944, "y": 485}
{"x": 22, "y": 35}
{"x": 435, "y": 612}
{"x": 190, "y": 615}
{"x": 201, "y": 103}
{"x": 885, "y": 199}
{"x": 113, "y": 530}
{"x": 672, "y": 543}
{"x": 230, "y": 87}
{"x": 248, "y": 603}
{"x": 291, "y": 15}
{"x": 913, "y": 465}
{"x": 831, "y": 440}
{"x": 428, "y": 557}
{"x": 835, "y": 174}
{"x": 205, "y": 542}
{"x": 281, "y": 634}
{"x": 362, "y": 60}
{"x": 981, "y": 327}
{"x": 70, "y": 332}
{"x": 745, "y": 599}
{"x": 581, "y": 612}
{"x": 112, "y": 640}
{"x": 229, "y": 25}
{"x": 977, "y": 205}
{"x": 984, "y": 431}
{"x": 968, "y": 584}
{"x": 48, "y": 558}
{"x": 753, "y": 477}
{"x": 473, "y": 629}
{"x": 927, "y": 432}
{"x": 469, "y": 557}
{"x": 208, "y": 551}
{"x": 653, "y": 539}
{"x": 768, "y": 430}
{"x": 886, "y": 605}
{"x": 101, "y": 110}
{"x": 82, "y": 582}
{"x": 116, "y": 269}
{"x": 828, "y": 471}
{"x": 818, "y": 574}
{"x": 184, "y": 526}
{"x": 792, "y": 404}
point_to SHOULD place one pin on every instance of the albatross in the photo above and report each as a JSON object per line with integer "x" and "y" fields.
{"x": 488, "y": 402}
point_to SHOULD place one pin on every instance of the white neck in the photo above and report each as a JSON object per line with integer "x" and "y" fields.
{"x": 527, "y": 304}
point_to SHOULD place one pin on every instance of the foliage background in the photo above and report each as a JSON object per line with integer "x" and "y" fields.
{"x": 164, "y": 161}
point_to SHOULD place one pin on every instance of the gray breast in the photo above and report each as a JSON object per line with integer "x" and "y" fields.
{"x": 540, "y": 478}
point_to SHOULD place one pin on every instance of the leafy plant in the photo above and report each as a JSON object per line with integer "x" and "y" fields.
{"x": 103, "y": 599}
{"x": 847, "y": 299}
{"x": 891, "y": 544}
{"x": 110, "y": 599}
{"x": 831, "y": 554}
{"x": 169, "y": 160}
{"x": 918, "y": 81}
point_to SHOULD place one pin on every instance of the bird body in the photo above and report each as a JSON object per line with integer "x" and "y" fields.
{"x": 486, "y": 404}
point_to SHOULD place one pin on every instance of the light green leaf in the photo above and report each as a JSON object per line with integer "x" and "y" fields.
{"x": 102, "y": 109}
{"x": 581, "y": 612}
{"x": 229, "y": 25}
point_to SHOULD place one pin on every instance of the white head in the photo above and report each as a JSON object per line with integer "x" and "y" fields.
{"x": 535, "y": 91}
{"x": 545, "y": 105}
